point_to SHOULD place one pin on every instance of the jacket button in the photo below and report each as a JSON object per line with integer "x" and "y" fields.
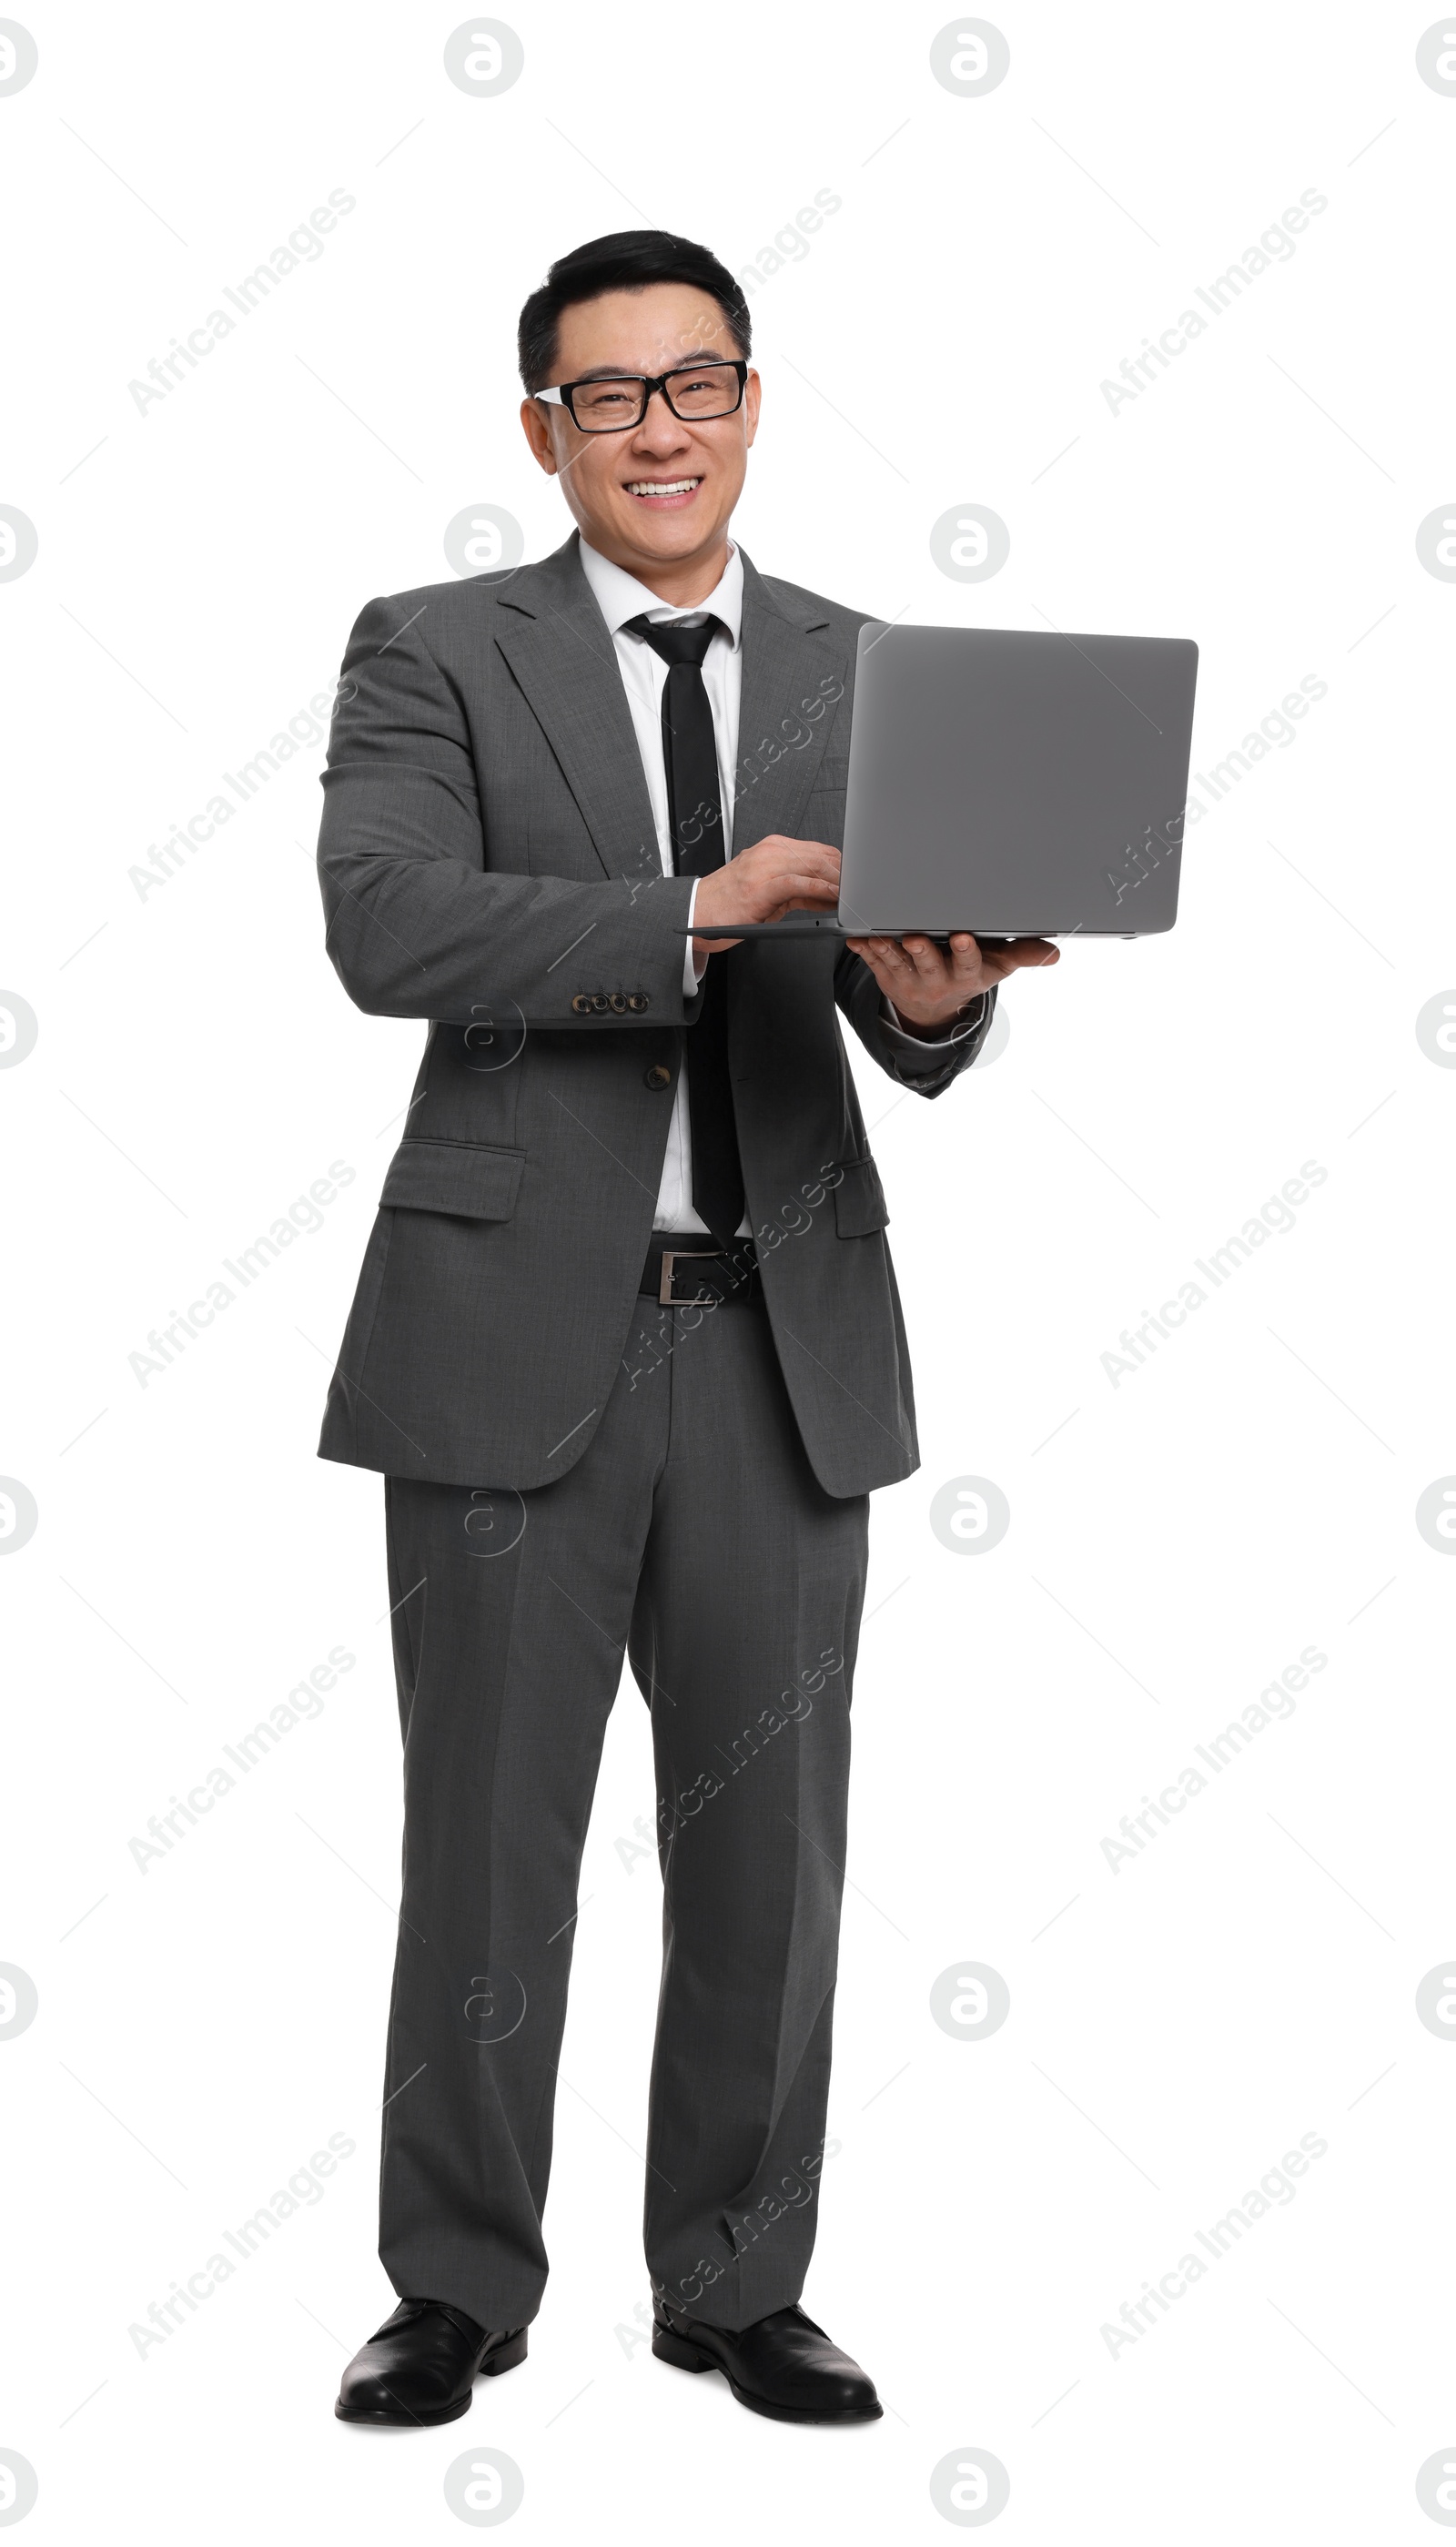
{"x": 660, "y": 1076}
{"x": 582, "y": 1002}
{"x": 619, "y": 1004}
{"x": 600, "y": 1001}
{"x": 637, "y": 1001}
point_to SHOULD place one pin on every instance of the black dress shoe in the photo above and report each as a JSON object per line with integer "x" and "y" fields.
{"x": 422, "y": 2364}
{"x": 783, "y": 2366}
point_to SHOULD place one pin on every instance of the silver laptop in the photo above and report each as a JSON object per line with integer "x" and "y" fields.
{"x": 1010, "y": 783}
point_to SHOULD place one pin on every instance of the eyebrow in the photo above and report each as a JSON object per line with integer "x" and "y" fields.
{"x": 620, "y": 370}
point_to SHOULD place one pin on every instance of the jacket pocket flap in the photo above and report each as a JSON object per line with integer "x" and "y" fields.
{"x": 456, "y": 1178}
{"x": 859, "y": 1199}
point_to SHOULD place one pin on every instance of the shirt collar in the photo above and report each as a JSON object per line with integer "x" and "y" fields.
{"x": 619, "y": 596}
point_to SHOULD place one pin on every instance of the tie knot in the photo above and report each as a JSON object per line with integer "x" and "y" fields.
{"x": 674, "y": 640}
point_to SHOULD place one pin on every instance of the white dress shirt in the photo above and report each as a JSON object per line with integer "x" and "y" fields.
{"x": 620, "y": 597}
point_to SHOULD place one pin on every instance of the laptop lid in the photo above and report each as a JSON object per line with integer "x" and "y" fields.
{"x": 1014, "y": 783}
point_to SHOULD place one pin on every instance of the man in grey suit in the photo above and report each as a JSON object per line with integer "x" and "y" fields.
{"x": 626, "y": 1344}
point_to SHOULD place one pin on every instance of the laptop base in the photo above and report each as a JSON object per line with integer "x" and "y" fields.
{"x": 811, "y": 923}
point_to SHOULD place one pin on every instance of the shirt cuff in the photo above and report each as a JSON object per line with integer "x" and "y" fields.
{"x": 692, "y": 979}
{"x": 935, "y": 1046}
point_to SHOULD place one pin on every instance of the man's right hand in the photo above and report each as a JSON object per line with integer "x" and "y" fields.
{"x": 762, "y": 883}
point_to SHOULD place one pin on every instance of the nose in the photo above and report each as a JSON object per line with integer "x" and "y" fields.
{"x": 659, "y": 423}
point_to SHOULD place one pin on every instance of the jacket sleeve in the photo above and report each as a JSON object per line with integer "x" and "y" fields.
{"x": 417, "y": 926}
{"x": 928, "y": 1068}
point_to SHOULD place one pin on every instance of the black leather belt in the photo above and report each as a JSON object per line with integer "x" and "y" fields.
{"x": 684, "y": 1271}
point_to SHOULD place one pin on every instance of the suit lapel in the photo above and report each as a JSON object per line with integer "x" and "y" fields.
{"x": 556, "y": 644}
{"x": 784, "y": 665}
{"x": 790, "y": 665}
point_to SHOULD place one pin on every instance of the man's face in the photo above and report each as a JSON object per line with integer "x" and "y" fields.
{"x": 664, "y": 490}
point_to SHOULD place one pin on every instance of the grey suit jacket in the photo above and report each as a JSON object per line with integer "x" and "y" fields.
{"x": 489, "y": 863}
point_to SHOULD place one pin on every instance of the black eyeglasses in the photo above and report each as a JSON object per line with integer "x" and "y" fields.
{"x": 616, "y": 403}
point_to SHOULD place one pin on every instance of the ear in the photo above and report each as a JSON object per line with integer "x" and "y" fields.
{"x": 535, "y": 425}
{"x": 752, "y": 396}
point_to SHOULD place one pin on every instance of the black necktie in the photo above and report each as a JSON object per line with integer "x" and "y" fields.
{"x": 695, "y": 827}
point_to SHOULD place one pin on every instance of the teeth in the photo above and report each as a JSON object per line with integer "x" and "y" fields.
{"x": 662, "y": 487}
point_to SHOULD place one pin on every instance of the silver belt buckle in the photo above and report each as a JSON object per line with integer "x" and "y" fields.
{"x": 672, "y": 1255}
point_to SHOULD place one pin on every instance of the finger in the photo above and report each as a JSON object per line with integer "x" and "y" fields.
{"x": 778, "y": 890}
{"x": 927, "y": 962}
{"x": 804, "y": 853}
{"x": 881, "y": 954}
{"x": 998, "y": 961}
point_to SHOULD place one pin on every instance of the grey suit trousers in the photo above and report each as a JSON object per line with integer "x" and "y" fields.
{"x": 693, "y": 1536}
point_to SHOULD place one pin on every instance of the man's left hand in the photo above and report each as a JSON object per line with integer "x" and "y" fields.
{"x": 929, "y": 985}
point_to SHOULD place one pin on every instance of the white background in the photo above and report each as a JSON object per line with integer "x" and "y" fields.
{"x": 1176, "y": 1540}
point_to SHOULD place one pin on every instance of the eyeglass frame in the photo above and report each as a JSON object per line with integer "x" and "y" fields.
{"x": 561, "y": 393}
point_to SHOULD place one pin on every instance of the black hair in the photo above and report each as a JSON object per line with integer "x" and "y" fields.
{"x": 623, "y": 261}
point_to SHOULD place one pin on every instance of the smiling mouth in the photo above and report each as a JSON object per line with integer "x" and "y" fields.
{"x": 655, "y": 489}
